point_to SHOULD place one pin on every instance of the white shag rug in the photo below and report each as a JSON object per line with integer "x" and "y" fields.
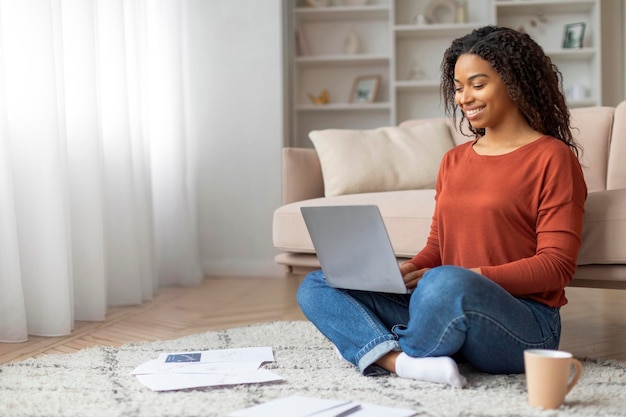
{"x": 97, "y": 382}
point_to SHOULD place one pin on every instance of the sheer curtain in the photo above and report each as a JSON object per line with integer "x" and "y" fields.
{"x": 97, "y": 203}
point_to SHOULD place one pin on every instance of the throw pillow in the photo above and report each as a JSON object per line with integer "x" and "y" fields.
{"x": 384, "y": 159}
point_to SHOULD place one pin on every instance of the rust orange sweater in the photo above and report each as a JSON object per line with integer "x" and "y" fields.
{"x": 517, "y": 216}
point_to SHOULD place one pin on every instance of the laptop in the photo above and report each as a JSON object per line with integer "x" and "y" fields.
{"x": 353, "y": 248}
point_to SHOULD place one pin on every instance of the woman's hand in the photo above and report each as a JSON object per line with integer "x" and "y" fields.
{"x": 411, "y": 274}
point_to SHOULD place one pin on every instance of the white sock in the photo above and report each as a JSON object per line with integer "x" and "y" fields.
{"x": 441, "y": 369}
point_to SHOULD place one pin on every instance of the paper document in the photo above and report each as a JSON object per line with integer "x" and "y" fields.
{"x": 300, "y": 406}
{"x": 182, "y": 370}
{"x": 252, "y": 354}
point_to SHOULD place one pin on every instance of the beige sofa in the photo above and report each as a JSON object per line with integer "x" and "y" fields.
{"x": 407, "y": 213}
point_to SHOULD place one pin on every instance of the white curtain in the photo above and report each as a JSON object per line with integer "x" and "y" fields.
{"x": 97, "y": 183}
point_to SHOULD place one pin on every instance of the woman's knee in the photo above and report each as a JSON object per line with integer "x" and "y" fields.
{"x": 450, "y": 287}
{"x": 447, "y": 280}
{"x": 310, "y": 286}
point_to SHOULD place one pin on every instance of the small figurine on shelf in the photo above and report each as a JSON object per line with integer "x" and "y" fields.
{"x": 323, "y": 98}
{"x": 416, "y": 72}
{"x": 420, "y": 19}
{"x": 534, "y": 24}
{"x": 352, "y": 43}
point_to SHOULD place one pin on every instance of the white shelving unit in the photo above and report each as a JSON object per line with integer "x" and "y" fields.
{"x": 419, "y": 49}
{"x": 580, "y": 66}
{"x": 396, "y": 44}
{"x": 326, "y": 65}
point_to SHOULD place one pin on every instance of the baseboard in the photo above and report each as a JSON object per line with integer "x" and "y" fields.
{"x": 243, "y": 268}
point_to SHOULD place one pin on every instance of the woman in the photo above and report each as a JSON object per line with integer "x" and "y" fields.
{"x": 504, "y": 237}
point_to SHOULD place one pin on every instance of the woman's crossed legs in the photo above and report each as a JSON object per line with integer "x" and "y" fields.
{"x": 452, "y": 311}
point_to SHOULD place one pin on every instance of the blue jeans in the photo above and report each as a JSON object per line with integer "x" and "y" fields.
{"x": 452, "y": 312}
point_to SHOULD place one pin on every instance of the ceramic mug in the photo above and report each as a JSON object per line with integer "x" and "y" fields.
{"x": 549, "y": 376}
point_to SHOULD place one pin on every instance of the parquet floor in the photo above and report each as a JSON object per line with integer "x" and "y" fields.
{"x": 594, "y": 322}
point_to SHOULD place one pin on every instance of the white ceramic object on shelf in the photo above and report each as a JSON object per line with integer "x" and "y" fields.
{"x": 352, "y": 43}
{"x": 354, "y": 2}
{"x": 441, "y": 11}
{"x": 318, "y": 3}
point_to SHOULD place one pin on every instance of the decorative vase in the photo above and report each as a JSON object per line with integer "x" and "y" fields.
{"x": 352, "y": 44}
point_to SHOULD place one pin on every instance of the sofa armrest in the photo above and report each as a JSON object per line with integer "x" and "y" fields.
{"x": 302, "y": 175}
{"x": 616, "y": 175}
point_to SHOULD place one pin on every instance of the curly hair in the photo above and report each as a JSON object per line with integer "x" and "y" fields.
{"x": 533, "y": 82}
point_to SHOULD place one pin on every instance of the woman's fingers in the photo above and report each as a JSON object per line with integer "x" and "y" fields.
{"x": 412, "y": 278}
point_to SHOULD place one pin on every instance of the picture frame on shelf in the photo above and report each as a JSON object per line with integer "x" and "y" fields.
{"x": 573, "y": 35}
{"x": 365, "y": 89}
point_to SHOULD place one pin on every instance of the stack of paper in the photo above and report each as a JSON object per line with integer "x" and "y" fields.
{"x": 181, "y": 370}
{"x": 298, "y": 406}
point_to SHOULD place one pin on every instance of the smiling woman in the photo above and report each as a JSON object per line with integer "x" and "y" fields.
{"x": 489, "y": 283}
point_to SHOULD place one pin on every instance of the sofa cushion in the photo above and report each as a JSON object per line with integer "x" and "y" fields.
{"x": 591, "y": 127}
{"x": 604, "y": 228}
{"x": 407, "y": 216}
{"x": 384, "y": 159}
{"x": 456, "y": 135}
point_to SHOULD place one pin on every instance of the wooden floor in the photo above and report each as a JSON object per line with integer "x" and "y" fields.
{"x": 594, "y": 322}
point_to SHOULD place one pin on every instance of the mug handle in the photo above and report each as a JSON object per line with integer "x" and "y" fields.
{"x": 578, "y": 372}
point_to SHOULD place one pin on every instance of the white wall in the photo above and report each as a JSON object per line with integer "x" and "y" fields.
{"x": 236, "y": 117}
